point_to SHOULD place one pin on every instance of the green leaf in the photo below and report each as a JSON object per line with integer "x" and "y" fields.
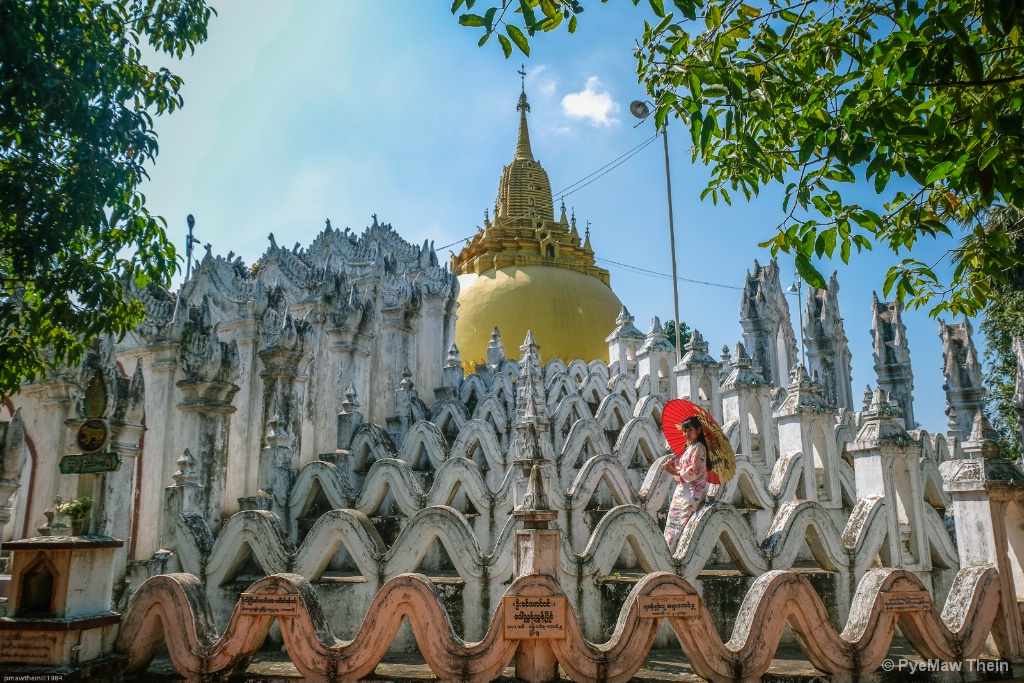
{"x": 658, "y": 6}
{"x": 572, "y": 24}
{"x": 549, "y": 9}
{"x": 809, "y": 273}
{"x": 506, "y": 45}
{"x": 483, "y": 39}
{"x": 939, "y": 172}
{"x": 987, "y": 157}
{"x": 456, "y": 5}
{"x": 518, "y": 38}
{"x": 471, "y": 20}
{"x": 528, "y": 16}
{"x": 748, "y": 11}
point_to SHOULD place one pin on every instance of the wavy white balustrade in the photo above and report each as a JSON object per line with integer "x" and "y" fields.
{"x": 747, "y": 484}
{"x": 863, "y": 536}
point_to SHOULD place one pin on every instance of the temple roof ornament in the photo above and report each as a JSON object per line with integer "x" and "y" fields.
{"x": 743, "y": 373}
{"x": 524, "y": 231}
{"x": 624, "y": 328}
{"x": 892, "y": 354}
{"x": 882, "y": 423}
{"x": 697, "y": 351}
{"x": 656, "y": 339}
{"x": 804, "y": 394}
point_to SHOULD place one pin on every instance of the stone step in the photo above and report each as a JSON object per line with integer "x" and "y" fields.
{"x": 789, "y": 666}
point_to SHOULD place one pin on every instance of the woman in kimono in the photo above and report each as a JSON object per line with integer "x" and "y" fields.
{"x": 691, "y": 471}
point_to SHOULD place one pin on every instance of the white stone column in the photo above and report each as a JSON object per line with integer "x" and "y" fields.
{"x": 698, "y": 377}
{"x": 804, "y": 414}
{"x": 746, "y": 397}
{"x": 210, "y": 368}
{"x": 988, "y": 509}
{"x": 886, "y": 464}
{"x": 159, "y": 367}
{"x": 12, "y": 463}
{"x": 244, "y": 432}
{"x": 393, "y": 349}
{"x": 47, "y": 406}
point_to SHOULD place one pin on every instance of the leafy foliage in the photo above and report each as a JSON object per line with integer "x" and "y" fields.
{"x": 76, "y": 130}
{"x": 1004, "y": 320}
{"x": 670, "y": 332}
{"x": 922, "y": 99}
{"x": 76, "y": 508}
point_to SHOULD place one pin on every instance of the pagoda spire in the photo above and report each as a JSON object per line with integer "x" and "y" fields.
{"x": 523, "y": 150}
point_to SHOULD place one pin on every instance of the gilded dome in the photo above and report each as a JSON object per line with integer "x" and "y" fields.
{"x": 527, "y": 271}
{"x": 569, "y": 312}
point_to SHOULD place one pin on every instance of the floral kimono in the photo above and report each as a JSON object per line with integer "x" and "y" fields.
{"x": 690, "y": 493}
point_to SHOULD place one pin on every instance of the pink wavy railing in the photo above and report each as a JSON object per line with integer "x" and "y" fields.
{"x": 173, "y": 608}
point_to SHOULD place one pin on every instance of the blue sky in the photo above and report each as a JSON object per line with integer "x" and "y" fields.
{"x": 296, "y": 112}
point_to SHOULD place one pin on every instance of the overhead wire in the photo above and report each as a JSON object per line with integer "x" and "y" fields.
{"x": 587, "y": 180}
{"x": 610, "y": 166}
{"x": 607, "y": 168}
{"x": 666, "y": 276}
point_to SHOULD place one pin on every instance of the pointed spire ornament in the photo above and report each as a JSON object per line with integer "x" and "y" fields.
{"x": 453, "y": 359}
{"x": 350, "y": 403}
{"x": 186, "y": 474}
{"x": 523, "y": 150}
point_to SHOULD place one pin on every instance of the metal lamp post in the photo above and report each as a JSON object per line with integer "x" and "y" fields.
{"x": 796, "y": 288}
{"x": 640, "y": 110}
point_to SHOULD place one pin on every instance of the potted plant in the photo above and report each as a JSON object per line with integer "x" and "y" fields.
{"x": 76, "y": 510}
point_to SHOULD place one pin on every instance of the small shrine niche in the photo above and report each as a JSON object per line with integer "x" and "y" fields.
{"x": 35, "y": 591}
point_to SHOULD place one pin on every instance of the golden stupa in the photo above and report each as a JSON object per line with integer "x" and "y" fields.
{"x": 527, "y": 271}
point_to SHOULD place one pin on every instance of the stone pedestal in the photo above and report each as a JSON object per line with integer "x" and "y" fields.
{"x": 886, "y": 464}
{"x": 57, "y": 618}
{"x": 988, "y": 508}
{"x": 656, "y": 358}
{"x": 537, "y": 552}
{"x": 698, "y": 377}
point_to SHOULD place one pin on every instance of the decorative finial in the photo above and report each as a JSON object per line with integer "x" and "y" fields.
{"x": 523, "y": 105}
{"x": 350, "y": 403}
{"x": 406, "y": 378}
{"x": 186, "y": 474}
{"x": 453, "y": 360}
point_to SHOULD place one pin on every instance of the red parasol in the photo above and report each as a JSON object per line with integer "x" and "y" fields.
{"x": 721, "y": 458}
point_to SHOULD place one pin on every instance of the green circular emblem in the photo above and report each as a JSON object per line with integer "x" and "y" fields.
{"x": 92, "y": 435}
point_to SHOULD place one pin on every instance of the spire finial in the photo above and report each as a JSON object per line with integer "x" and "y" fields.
{"x": 523, "y": 150}
{"x": 523, "y": 105}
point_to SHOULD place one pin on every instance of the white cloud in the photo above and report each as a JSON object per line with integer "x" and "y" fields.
{"x": 540, "y": 81}
{"x": 592, "y": 103}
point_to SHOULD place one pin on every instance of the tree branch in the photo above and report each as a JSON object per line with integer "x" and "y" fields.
{"x": 971, "y": 84}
